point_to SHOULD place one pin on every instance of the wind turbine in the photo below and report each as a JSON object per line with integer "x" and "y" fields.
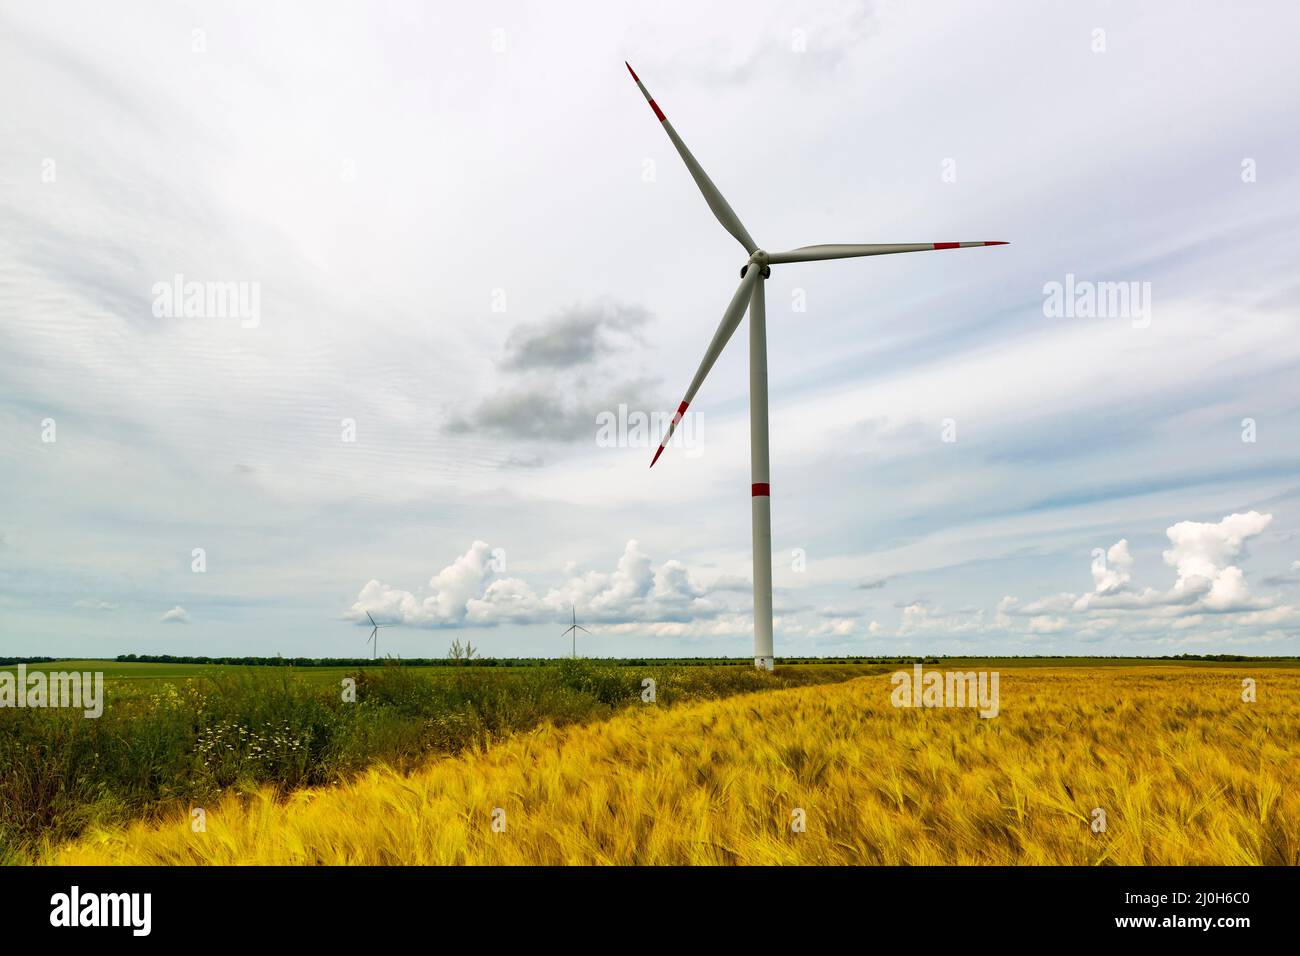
{"x": 374, "y": 635}
{"x": 575, "y": 628}
{"x": 750, "y": 295}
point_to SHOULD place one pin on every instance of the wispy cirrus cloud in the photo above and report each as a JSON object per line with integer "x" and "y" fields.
{"x": 380, "y": 243}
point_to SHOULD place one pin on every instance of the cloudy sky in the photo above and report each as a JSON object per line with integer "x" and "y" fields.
{"x": 458, "y": 241}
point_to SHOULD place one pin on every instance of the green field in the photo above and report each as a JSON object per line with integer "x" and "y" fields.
{"x": 120, "y": 672}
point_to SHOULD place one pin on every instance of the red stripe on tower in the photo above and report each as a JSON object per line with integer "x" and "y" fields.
{"x": 760, "y": 490}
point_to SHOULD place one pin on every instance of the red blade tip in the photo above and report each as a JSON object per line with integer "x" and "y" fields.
{"x": 632, "y": 71}
{"x": 997, "y": 243}
{"x": 657, "y": 454}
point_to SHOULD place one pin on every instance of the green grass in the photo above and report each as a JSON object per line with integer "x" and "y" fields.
{"x": 114, "y": 671}
{"x": 177, "y": 735}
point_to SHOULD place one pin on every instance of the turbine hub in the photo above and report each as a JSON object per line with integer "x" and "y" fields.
{"x": 759, "y": 258}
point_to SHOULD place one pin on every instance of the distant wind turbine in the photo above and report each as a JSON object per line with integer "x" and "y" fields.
{"x": 750, "y": 297}
{"x": 374, "y": 635}
{"x": 575, "y": 628}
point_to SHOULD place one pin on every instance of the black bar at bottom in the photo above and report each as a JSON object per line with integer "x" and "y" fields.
{"x": 304, "y": 905}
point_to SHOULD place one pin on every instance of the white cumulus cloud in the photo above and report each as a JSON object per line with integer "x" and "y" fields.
{"x": 1111, "y": 569}
{"x": 1204, "y": 553}
{"x": 1209, "y": 583}
{"x": 474, "y": 589}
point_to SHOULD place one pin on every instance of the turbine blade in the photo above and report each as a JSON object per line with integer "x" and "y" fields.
{"x": 726, "y": 215}
{"x": 372, "y": 620}
{"x": 838, "y": 251}
{"x": 730, "y": 319}
{"x": 583, "y": 629}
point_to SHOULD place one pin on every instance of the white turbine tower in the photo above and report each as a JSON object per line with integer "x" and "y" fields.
{"x": 575, "y": 628}
{"x": 374, "y": 634}
{"x": 750, "y": 294}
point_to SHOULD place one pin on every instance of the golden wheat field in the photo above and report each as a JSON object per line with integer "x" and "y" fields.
{"x": 1184, "y": 770}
